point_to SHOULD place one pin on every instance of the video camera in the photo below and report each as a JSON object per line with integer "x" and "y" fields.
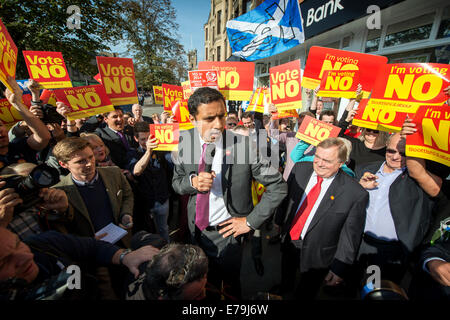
{"x": 42, "y": 176}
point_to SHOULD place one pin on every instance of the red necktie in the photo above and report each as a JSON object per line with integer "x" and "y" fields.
{"x": 202, "y": 202}
{"x": 305, "y": 209}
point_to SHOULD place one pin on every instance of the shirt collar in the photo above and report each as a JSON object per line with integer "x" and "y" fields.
{"x": 314, "y": 175}
{"x": 83, "y": 183}
{"x": 380, "y": 171}
{"x": 202, "y": 142}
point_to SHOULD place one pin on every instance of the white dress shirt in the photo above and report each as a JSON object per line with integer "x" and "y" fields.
{"x": 217, "y": 210}
{"x": 324, "y": 187}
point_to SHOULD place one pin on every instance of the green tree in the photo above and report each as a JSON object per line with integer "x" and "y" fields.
{"x": 150, "y": 31}
{"x": 42, "y": 26}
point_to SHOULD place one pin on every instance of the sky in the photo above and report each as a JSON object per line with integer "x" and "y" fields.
{"x": 191, "y": 15}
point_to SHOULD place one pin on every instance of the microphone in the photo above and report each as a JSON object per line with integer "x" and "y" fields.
{"x": 209, "y": 156}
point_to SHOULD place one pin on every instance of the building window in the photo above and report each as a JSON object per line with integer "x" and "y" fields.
{"x": 206, "y": 34}
{"x": 219, "y": 20}
{"x": 218, "y": 53}
{"x": 346, "y": 42}
{"x": 206, "y": 54}
{"x": 444, "y": 28}
{"x": 213, "y": 33}
{"x": 415, "y": 29}
{"x": 373, "y": 40}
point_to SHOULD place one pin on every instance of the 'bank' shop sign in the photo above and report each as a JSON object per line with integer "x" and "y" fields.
{"x": 322, "y": 15}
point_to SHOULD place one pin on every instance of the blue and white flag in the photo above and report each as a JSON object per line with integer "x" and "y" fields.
{"x": 271, "y": 28}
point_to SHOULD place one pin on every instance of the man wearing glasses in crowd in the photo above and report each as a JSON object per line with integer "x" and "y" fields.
{"x": 398, "y": 213}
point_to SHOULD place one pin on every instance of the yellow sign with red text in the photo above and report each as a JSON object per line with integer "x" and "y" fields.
{"x": 285, "y": 86}
{"x": 85, "y": 101}
{"x": 158, "y": 94}
{"x": 167, "y": 135}
{"x": 8, "y": 56}
{"x": 117, "y": 75}
{"x": 399, "y": 91}
{"x": 431, "y": 140}
{"x": 47, "y": 68}
{"x": 187, "y": 92}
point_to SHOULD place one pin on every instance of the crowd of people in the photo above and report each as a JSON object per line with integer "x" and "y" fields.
{"x": 336, "y": 209}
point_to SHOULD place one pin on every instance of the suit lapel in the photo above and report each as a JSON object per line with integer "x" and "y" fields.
{"x": 301, "y": 181}
{"x": 74, "y": 197}
{"x": 333, "y": 192}
{"x": 227, "y": 159}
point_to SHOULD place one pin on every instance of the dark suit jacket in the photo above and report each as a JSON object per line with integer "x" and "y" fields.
{"x": 237, "y": 176}
{"x": 410, "y": 207}
{"x": 334, "y": 234}
{"x": 117, "y": 150}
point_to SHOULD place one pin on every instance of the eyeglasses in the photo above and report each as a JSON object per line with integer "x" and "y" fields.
{"x": 392, "y": 151}
{"x": 231, "y": 124}
{"x": 373, "y": 131}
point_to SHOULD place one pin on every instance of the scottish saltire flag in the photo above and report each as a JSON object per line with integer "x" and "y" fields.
{"x": 271, "y": 28}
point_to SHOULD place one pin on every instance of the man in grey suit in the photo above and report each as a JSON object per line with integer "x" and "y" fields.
{"x": 220, "y": 207}
{"x": 322, "y": 221}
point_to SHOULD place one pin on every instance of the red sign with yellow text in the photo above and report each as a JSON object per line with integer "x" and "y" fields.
{"x": 85, "y": 101}
{"x": 339, "y": 84}
{"x": 235, "y": 79}
{"x": 285, "y": 86}
{"x": 10, "y": 115}
{"x": 8, "y": 56}
{"x": 47, "y": 68}
{"x": 187, "y": 92}
{"x": 171, "y": 94}
{"x": 431, "y": 140}
{"x": 117, "y": 75}
{"x": 181, "y": 114}
{"x": 167, "y": 135}
{"x": 98, "y": 78}
{"x": 400, "y": 89}
{"x": 158, "y": 94}
{"x": 314, "y": 131}
{"x": 322, "y": 59}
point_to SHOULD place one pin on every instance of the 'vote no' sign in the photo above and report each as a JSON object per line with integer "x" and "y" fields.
{"x": 47, "y": 68}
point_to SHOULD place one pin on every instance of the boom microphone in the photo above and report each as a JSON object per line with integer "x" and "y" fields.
{"x": 209, "y": 156}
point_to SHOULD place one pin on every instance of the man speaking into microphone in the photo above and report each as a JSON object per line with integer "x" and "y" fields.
{"x": 215, "y": 167}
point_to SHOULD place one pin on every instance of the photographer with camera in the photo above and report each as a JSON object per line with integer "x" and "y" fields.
{"x": 25, "y": 197}
{"x": 24, "y": 149}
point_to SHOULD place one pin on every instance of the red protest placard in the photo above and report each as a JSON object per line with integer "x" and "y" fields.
{"x": 431, "y": 140}
{"x": 400, "y": 89}
{"x": 235, "y": 79}
{"x": 47, "y": 68}
{"x": 314, "y": 131}
{"x": 171, "y": 93}
{"x": 118, "y": 78}
{"x": 284, "y": 114}
{"x": 181, "y": 114}
{"x": 10, "y": 115}
{"x": 8, "y": 56}
{"x": 203, "y": 78}
{"x": 167, "y": 136}
{"x": 285, "y": 86}
{"x": 85, "y": 101}
{"x": 98, "y": 78}
{"x": 322, "y": 59}
{"x": 158, "y": 94}
{"x": 339, "y": 84}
